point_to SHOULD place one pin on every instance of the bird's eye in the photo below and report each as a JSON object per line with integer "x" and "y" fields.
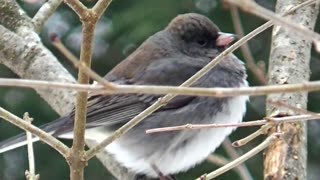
{"x": 202, "y": 42}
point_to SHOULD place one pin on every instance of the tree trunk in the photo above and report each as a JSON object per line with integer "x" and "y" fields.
{"x": 289, "y": 63}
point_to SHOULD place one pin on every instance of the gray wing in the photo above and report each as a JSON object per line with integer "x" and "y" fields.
{"x": 117, "y": 110}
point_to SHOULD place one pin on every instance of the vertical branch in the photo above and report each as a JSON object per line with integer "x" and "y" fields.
{"x": 257, "y": 71}
{"x": 289, "y": 63}
{"x": 31, "y": 173}
{"x": 76, "y": 160}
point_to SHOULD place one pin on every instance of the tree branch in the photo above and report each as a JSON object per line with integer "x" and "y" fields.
{"x": 259, "y": 74}
{"x": 45, "y": 137}
{"x": 254, "y": 8}
{"x": 242, "y": 158}
{"x": 146, "y": 89}
{"x": 46, "y": 10}
{"x": 76, "y": 160}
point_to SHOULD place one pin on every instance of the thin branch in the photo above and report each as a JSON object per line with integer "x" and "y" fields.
{"x": 275, "y": 120}
{"x": 217, "y": 159}
{"x": 46, "y": 10}
{"x": 31, "y": 173}
{"x": 242, "y": 169}
{"x": 77, "y": 7}
{"x": 45, "y": 137}
{"x": 295, "y": 109}
{"x": 101, "y": 6}
{"x": 242, "y": 158}
{"x": 254, "y": 8}
{"x": 146, "y": 89}
{"x": 263, "y": 130}
{"x": 71, "y": 57}
{"x": 250, "y": 62}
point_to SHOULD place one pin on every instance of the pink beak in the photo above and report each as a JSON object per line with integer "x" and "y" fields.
{"x": 224, "y": 39}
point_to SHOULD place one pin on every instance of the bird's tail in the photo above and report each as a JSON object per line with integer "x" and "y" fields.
{"x": 20, "y": 140}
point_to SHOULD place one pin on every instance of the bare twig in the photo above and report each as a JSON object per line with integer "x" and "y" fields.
{"x": 295, "y": 109}
{"x": 60, "y": 46}
{"x": 254, "y": 8}
{"x": 242, "y": 158}
{"x": 101, "y": 6}
{"x": 46, "y": 10}
{"x": 242, "y": 169}
{"x": 77, "y": 7}
{"x": 146, "y": 89}
{"x": 31, "y": 173}
{"x": 45, "y": 137}
{"x": 217, "y": 159}
{"x": 275, "y": 120}
{"x": 259, "y": 74}
{"x": 263, "y": 130}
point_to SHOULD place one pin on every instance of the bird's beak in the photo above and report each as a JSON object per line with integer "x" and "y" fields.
{"x": 225, "y": 39}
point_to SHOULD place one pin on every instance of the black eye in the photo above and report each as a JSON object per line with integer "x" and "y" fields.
{"x": 202, "y": 42}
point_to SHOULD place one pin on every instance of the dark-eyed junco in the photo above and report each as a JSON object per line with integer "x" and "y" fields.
{"x": 169, "y": 57}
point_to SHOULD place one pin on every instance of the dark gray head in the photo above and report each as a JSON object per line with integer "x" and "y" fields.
{"x": 197, "y": 35}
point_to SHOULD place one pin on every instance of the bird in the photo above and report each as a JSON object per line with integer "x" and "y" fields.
{"x": 169, "y": 57}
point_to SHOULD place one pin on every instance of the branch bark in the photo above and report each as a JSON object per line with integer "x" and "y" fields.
{"x": 289, "y": 63}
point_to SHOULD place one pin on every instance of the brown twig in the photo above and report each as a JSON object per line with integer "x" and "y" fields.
{"x": 217, "y": 159}
{"x": 75, "y": 158}
{"x": 89, "y": 18}
{"x": 252, "y": 7}
{"x": 263, "y": 130}
{"x": 146, "y": 89}
{"x": 77, "y": 7}
{"x": 275, "y": 120}
{"x": 72, "y": 58}
{"x": 242, "y": 169}
{"x": 250, "y": 62}
{"x": 101, "y": 6}
{"x": 242, "y": 158}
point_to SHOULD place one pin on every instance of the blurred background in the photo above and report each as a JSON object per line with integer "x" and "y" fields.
{"x": 123, "y": 27}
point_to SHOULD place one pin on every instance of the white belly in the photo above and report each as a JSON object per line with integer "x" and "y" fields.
{"x": 193, "y": 153}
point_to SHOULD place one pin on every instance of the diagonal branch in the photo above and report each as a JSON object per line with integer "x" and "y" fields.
{"x": 45, "y": 137}
{"x": 252, "y": 7}
{"x": 46, "y": 10}
{"x": 242, "y": 158}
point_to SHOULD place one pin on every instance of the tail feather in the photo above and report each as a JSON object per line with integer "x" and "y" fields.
{"x": 20, "y": 140}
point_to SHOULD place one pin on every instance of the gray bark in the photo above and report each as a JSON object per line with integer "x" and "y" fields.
{"x": 289, "y": 63}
